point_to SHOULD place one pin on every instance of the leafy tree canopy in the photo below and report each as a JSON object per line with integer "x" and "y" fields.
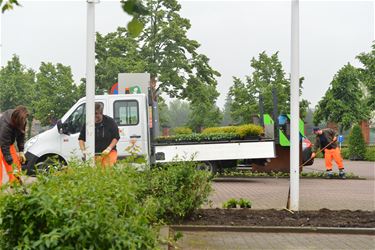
{"x": 343, "y": 102}
{"x": 367, "y": 76}
{"x": 268, "y": 74}
{"x": 17, "y": 85}
{"x": 56, "y": 92}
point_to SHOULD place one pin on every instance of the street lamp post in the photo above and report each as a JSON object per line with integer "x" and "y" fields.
{"x": 90, "y": 81}
{"x": 294, "y": 109}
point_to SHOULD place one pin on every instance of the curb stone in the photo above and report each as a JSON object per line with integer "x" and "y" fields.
{"x": 273, "y": 229}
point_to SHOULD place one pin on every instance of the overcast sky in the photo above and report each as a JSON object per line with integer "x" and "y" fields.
{"x": 230, "y": 34}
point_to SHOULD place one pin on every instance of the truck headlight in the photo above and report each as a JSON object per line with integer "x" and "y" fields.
{"x": 30, "y": 142}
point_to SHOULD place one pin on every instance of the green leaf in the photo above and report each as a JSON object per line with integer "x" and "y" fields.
{"x": 128, "y": 6}
{"x": 135, "y": 27}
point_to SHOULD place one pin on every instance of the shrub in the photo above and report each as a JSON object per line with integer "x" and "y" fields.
{"x": 79, "y": 208}
{"x": 345, "y": 153}
{"x": 370, "y": 154}
{"x": 249, "y": 130}
{"x": 244, "y": 203}
{"x": 177, "y": 188}
{"x": 182, "y": 131}
{"x": 197, "y": 138}
{"x": 231, "y": 203}
{"x": 242, "y": 130}
{"x": 357, "y": 146}
{"x": 217, "y": 130}
{"x": 94, "y": 208}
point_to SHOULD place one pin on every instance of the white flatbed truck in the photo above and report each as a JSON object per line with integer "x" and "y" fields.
{"x": 131, "y": 113}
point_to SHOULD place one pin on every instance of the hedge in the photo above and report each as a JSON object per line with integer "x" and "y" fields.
{"x": 94, "y": 208}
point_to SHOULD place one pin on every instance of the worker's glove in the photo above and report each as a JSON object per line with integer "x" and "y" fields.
{"x": 106, "y": 151}
{"x": 313, "y": 155}
{"x": 22, "y": 157}
{"x": 84, "y": 154}
{"x": 8, "y": 159}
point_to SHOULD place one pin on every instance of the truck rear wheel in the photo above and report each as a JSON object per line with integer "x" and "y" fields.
{"x": 207, "y": 166}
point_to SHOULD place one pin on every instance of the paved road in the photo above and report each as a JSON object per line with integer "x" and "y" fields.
{"x": 246, "y": 240}
{"x": 314, "y": 193}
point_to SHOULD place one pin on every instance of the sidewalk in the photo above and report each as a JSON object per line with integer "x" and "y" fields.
{"x": 243, "y": 240}
{"x": 334, "y": 194}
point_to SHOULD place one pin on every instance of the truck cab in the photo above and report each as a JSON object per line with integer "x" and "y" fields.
{"x": 60, "y": 143}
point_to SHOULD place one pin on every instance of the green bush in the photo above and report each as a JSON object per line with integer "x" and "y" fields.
{"x": 357, "y": 146}
{"x": 345, "y": 153}
{"x": 219, "y": 130}
{"x": 94, "y": 208}
{"x": 182, "y": 131}
{"x": 178, "y": 189}
{"x": 242, "y": 130}
{"x": 80, "y": 208}
{"x": 197, "y": 138}
{"x": 370, "y": 154}
{"x": 244, "y": 203}
{"x": 231, "y": 203}
{"x": 249, "y": 130}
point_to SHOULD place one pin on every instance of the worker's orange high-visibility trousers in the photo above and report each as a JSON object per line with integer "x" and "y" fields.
{"x": 108, "y": 160}
{"x": 335, "y": 154}
{"x": 9, "y": 168}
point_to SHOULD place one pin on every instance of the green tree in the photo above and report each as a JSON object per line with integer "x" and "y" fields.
{"x": 244, "y": 100}
{"x": 203, "y": 111}
{"x": 17, "y": 85}
{"x": 164, "y": 116}
{"x": 268, "y": 75}
{"x": 117, "y": 52}
{"x": 178, "y": 113}
{"x": 367, "y": 76}
{"x": 171, "y": 56}
{"x": 163, "y": 50}
{"x": 357, "y": 145}
{"x": 227, "y": 117}
{"x": 343, "y": 101}
{"x": 56, "y": 92}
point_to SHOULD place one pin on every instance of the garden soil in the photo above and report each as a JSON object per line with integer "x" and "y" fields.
{"x": 272, "y": 217}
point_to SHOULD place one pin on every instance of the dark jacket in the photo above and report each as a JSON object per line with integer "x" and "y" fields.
{"x": 8, "y": 135}
{"x": 328, "y": 134}
{"x": 105, "y": 132}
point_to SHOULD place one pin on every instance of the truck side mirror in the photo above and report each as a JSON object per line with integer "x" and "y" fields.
{"x": 62, "y": 127}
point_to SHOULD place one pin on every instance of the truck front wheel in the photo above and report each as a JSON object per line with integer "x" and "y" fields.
{"x": 49, "y": 163}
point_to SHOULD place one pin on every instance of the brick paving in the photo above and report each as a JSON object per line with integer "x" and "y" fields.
{"x": 266, "y": 193}
{"x": 246, "y": 240}
{"x": 314, "y": 194}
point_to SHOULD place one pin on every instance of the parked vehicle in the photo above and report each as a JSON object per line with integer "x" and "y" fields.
{"x": 130, "y": 111}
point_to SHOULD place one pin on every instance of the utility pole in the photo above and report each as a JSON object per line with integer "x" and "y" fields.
{"x": 1, "y": 40}
{"x": 90, "y": 81}
{"x": 294, "y": 109}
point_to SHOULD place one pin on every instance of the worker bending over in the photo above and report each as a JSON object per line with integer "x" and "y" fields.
{"x": 327, "y": 139}
{"x": 12, "y": 129}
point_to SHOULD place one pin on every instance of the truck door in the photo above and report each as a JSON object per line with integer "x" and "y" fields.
{"x": 130, "y": 116}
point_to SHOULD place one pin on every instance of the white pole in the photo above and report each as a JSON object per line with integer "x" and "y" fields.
{"x": 1, "y": 40}
{"x": 90, "y": 81}
{"x": 294, "y": 109}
